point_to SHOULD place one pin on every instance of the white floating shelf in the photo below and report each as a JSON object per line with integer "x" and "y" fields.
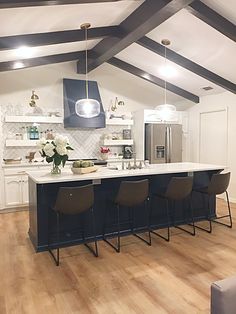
{"x": 118, "y": 142}
{"x": 119, "y": 122}
{"x": 21, "y": 143}
{"x": 34, "y": 119}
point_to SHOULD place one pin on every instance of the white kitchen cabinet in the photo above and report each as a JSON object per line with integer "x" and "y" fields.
{"x": 24, "y": 190}
{"x": 13, "y": 191}
{"x": 15, "y": 187}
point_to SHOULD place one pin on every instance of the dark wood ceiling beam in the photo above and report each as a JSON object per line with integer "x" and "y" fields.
{"x": 146, "y": 17}
{"x": 153, "y": 79}
{"x": 186, "y": 63}
{"x": 52, "y": 38}
{"x": 20, "y": 3}
{"x": 212, "y": 18}
{"x": 34, "y": 62}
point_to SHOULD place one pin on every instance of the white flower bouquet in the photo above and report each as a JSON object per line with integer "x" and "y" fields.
{"x": 55, "y": 151}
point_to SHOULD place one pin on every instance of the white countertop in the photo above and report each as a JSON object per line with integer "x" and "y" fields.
{"x": 42, "y": 177}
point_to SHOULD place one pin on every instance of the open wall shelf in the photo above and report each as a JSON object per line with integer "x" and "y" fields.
{"x": 34, "y": 119}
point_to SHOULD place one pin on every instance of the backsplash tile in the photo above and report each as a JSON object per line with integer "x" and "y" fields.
{"x": 86, "y": 143}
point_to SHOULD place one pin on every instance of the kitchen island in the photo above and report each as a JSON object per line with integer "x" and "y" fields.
{"x": 43, "y": 188}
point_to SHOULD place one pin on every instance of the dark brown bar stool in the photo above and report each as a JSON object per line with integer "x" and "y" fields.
{"x": 74, "y": 201}
{"x": 218, "y": 185}
{"x": 179, "y": 189}
{"x": 130, "y": 195}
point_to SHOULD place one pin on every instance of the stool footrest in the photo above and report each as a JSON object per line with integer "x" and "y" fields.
{"x": 185, "y": 230}
{"x": 149, "y": 241}
{"x": 230, "y": 225}
{"x": 161, "y": 236}
{"x": 95, "y": 252}
{"x": 203, "y": 229}
{"x": 116, "y": 248}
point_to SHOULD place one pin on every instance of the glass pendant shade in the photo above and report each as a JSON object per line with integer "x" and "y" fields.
{"x": 166, "y": 111}
{"x": 87, "y": 108}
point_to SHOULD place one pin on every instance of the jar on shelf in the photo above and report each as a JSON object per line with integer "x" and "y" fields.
{"x": 18, "y": 136}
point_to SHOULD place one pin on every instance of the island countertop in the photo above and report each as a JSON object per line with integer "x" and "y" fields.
{"x": 44, "y": 177}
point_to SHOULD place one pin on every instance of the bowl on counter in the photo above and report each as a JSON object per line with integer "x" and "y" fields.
{"x": 84, "y": 170}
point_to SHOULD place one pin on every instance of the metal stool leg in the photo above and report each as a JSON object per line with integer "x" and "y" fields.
{"x": 229, "y": 215}
{"x": 57, "y": 257}
{"x": 95, "y": 252}
{"x": 207, "y": 216}
{"x": 116, "y": 248}
{"x": 149, "y": 241}
{"x": 192, "y": 224}
{"x": 168, "y": 222}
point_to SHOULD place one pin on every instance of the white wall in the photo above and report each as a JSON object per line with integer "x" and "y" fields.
{"x": 222, "y": 101}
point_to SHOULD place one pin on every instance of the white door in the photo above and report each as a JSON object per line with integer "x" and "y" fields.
{"x": 213, "y": 137}
{"x": 13, "y": 190}
{"x": 24, "y": 189}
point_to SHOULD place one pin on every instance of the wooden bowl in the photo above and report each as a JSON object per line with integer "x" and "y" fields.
{"x": 84, "y": 170}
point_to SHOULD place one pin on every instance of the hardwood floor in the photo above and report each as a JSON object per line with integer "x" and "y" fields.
{"x": 170, "y": 277}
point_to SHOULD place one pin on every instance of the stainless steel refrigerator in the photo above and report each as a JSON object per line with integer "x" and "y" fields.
{"x": 163, "y": 143}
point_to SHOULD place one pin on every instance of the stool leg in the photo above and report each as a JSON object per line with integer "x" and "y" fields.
{"x": 149, "y": 241}
{"x": 168, "y": 222}
{"x": 229, "y": 215}
{"x": 95, "y": 252}
{"x": 57, "y": 257}
{"x": 207, "y": 216}
{"x": 192, "y": 224}
{"x": 116, "y": 248}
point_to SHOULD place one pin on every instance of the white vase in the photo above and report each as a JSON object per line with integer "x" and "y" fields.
{"x": 104, "y": 156}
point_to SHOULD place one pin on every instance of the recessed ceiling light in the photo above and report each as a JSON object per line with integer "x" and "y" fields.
{"x": 18, "y": 65}
{"x": 168, "y": 71}
{"x": 24, "y": 52}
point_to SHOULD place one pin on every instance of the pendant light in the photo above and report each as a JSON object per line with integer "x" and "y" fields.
{"x": 87, "y": 107}
{"x": 166, "y": 110}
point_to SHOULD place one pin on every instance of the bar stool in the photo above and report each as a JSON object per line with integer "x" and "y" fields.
{"x": 218, "y": 185}
{"x": 178, "y": 189}
{"x": 130, "y": 195}
{"x": 74, "y": 201}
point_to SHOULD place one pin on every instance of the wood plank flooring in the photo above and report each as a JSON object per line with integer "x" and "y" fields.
{"x": 170, "y": 277}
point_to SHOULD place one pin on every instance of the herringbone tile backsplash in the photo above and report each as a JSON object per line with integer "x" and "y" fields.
{"x": 86, "y": 143}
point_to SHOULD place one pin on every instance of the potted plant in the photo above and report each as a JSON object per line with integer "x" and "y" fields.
{"x": 55, "y": 151}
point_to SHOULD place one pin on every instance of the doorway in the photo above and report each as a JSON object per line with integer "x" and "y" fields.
{"x": 213, "y": 148}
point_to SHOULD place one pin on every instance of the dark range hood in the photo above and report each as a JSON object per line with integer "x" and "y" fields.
{"x": 74, "y": 90}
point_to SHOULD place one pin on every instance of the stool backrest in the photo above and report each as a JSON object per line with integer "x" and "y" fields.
{"x": 219, "y": 183}
{"x": 179, "y": 188}
{"x": 74, "y": 200}
{"x": 132, "y": 193}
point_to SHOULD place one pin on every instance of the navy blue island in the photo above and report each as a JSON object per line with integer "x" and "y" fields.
{"x": 43, "y": 189}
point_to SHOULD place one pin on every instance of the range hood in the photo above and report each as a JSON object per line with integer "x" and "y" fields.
{"x": 74, "y": 90}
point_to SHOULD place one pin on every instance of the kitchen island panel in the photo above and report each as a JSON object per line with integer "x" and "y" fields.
{"x": 43, "y": 196}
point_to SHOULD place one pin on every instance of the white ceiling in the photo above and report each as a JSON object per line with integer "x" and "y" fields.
{"x": 138, "y": 56}
{"x": 63, "y": 17}
{"x": 226, "y": 8}
{"x": 199, "y": 43}
{"x": 189, "y": 37}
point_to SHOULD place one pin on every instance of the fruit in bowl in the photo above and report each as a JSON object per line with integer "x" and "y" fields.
{"x": 83, "y": 166}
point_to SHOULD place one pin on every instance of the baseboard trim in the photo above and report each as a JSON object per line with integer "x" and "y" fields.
{"x": 13, "y": 210}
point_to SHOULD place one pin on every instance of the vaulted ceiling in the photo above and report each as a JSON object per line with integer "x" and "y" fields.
{"x": 127, "y": 35}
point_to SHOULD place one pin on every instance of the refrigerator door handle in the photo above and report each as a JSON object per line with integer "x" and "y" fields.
{"x": 166, "y": 144}
{"x": 170, "y": 144}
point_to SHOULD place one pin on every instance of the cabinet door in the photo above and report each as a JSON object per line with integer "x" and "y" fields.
{"x": 24, "y": 189}
{"x": 13, "y": 190}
